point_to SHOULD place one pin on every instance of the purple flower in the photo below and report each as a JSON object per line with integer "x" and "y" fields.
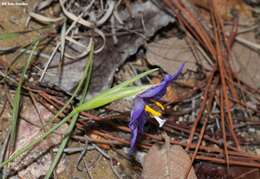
{"x": 140, "y": 111}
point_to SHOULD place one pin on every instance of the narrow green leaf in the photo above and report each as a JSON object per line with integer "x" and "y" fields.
{"x": 62, "y": 50}
{"x": 63, "y": 39}
{"x": 128, "y": 82}
{"x": 43, "y": 136}
{"x": 103, "y": 99}
{"x": 29, "y": 146}
{"x": 98, "y": 101}
{"x": 8, "y": 36}
{"x": 129, "y": 91}
{"x": 17, "y": 100}
{"x": 13, "y": 35}
{"x": 86, "y": 79}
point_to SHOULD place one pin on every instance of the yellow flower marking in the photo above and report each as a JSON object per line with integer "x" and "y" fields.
{"x": 157, "y": 103}
{"x": 151, "y": 111}
{"x": 156, "y": 114}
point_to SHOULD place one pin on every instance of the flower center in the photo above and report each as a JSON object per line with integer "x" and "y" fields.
{"x": 156, "y": 114}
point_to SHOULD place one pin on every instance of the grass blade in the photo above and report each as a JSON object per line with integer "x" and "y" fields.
{"x": 29, "y": 146}
{"x": 128, "y": 82}
{"x": 17, "y": 100}
{"x": 8, "y": 36}
{"x": 63, "y": 39}
{"x": 108, "y": 97}
{"x": 62, "y": 50}
{"x": 95, "y": 102}
{"x": 85, "y": 80}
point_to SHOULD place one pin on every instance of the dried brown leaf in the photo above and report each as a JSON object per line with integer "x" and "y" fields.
{"x": 226, "y": 8}
{"x": 245, "y": 61}
{"x": 167, "y": 162}
{"x": 169, "y": 54}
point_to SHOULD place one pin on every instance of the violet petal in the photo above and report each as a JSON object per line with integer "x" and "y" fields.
{"x": 158, "y": 91}
{"x": 133, "y": 140}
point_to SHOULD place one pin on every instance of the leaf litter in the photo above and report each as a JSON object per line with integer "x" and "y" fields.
{"x": 107, "y": 126}
{"x": 137, "y": 27}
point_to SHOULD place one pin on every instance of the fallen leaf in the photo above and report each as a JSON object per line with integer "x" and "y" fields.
{"x": 245, "y": 62}
{"x": 170, "y": 53}
{"x": 226, "y": 8}
{"x": 167, "y": 162}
